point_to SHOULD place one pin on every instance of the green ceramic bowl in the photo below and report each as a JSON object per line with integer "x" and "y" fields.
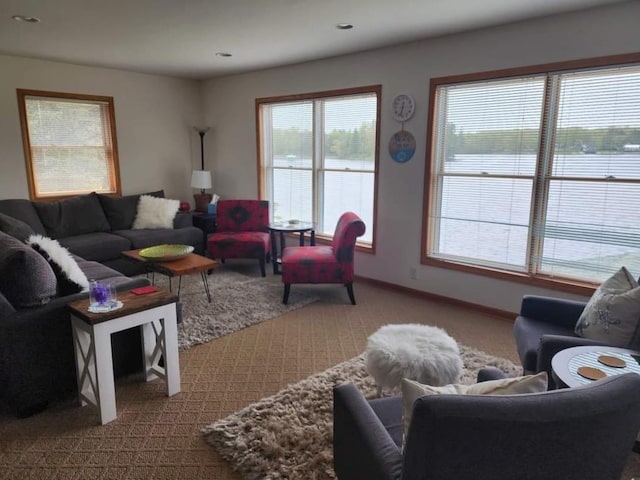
{"x": 165, "y": 253}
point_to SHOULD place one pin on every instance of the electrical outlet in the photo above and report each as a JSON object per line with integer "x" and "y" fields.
{"x": 413, "y": 273}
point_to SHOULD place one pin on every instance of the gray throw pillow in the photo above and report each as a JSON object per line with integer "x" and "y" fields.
{"x": 14, "y": 227}
{"x": 613, "y": 312}
{"x": 73, "y": 216}
{"x": 121, "y": 211}
{"x": 26, "y": 279}
{"x": 5, "y": 307}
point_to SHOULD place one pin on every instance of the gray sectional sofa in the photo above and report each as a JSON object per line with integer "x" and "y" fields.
{"x": 36, "y": 349}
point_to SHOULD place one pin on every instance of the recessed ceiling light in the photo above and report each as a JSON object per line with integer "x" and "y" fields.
{"x": 344, "y": 26}
{"x": 25, "y": 18}
{"x": 223, "y": 54}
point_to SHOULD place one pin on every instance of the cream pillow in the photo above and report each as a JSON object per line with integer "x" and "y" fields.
{"x": 154, "y": 212}
{"x": 613, "y": 312}
{"x": 412, "y": 390}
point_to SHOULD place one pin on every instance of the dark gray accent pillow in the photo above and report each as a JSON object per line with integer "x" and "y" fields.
{"x": 26, "y": 279}
{"x": 23, "y": 210}
{"x": 121, "y": 211}
{"x": 5, "y": 307}
{"x": 73, "y": 216}
{"x": 14, "y": 227}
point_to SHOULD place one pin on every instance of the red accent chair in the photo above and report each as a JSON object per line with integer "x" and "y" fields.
{"x": 325, "y": 264}
{"x": 242, "y": 231}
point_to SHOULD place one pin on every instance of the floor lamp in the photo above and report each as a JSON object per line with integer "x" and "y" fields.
{"x": 201, "y": 179}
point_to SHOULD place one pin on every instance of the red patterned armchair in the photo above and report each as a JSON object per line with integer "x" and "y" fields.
{"x": 325, "y": 264}
{"x": 242, "y": 231}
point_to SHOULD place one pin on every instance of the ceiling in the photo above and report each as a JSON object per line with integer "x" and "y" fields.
{"x": 181, "y": 37}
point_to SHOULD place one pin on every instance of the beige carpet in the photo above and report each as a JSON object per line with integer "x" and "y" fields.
{"x": 156, "y": 437}
{"x": 289, "y": 435}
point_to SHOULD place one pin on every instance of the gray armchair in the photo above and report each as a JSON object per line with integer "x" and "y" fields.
{"x": 543, "y": 328}
{"x": 585, "y": 433}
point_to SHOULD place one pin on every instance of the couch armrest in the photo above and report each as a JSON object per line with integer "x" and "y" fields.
{"x": 182, "y": 220}
{"x": 557, "y": 311}
{"x": 362, "y": 447}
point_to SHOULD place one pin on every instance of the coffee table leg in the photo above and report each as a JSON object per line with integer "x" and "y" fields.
{"x": 206, "y": 286}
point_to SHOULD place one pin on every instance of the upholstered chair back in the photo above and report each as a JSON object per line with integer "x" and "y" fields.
{"x": 348, "y": 229}
{"x": 242, "y": 216}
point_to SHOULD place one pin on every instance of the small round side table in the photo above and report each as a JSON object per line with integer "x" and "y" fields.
{"x": 284, "y": 228}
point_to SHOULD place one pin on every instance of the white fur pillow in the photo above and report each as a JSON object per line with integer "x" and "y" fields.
{"x": 412, "y": 390}
{"x": 154, "y": 212}
{"x": 71, "y": 279}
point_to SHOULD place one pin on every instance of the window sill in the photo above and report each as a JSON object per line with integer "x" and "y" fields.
{"x": 563, "y": 285}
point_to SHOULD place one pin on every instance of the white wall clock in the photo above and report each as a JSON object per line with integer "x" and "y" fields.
{"x": 403, "y": 107}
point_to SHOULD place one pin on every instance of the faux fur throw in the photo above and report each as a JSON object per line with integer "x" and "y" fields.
{"x": 71, "y": 279}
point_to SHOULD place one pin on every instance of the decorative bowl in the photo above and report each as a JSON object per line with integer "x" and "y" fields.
{"x": 165, "y": 253}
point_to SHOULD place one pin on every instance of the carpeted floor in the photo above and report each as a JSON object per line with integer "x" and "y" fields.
{"x": 156, "y": 437}
{"x": 237, "y": 301}
{"x": 289, "y": 435}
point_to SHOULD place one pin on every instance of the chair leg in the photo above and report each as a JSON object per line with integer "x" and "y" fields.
{"x": 350, "y": 292}
{"x": 285, "y": 297}
{"x": 262, "y": 269}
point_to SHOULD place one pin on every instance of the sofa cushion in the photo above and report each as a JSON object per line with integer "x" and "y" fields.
{"x": 23, "y": 210}
{"x": 14, "y": 227}
{"x": 612, "y": 315}
{"x": 73, "y": 216}
{"x": 26, "y": 279}
{"x": 121, "y": 211}
{"x": 155, "y": 212}
{"x": 98, "y": 246}
{"x": 149, "y": 237}
{"x": 71, "y": 279}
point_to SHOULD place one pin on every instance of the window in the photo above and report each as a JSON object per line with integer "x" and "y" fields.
{"x": 536, "y": 174}
{"x": 319, "y": 157}
{"x": 69, "y": 142}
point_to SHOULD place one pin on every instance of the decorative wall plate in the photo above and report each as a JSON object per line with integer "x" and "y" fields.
{"x": 402, "y": 146}
{"x": 165, "y": 253}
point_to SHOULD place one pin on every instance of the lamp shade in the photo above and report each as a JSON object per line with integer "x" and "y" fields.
{"x": 201, "y": 179}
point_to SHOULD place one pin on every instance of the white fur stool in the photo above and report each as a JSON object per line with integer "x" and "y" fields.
{"x": 418, "y": 352}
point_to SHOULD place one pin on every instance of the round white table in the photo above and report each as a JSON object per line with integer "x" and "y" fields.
{"x": 565, "y": 363}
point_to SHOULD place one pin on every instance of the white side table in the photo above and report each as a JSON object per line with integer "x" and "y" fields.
{"x": 156, "y": 313}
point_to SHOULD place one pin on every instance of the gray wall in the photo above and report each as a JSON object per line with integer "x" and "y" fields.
{"x": 229, "y": 108}
{"x": 158, "y": 147}
{"x": 154, "y": 117}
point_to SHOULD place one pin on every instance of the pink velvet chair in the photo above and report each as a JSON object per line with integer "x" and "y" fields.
{"x": 242, "y": 231}
{"x": 327, "y": 263}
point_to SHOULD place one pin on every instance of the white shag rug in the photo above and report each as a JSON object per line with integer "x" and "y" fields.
{"x": 289, "y": 435}
{"x": 237, "y": 302}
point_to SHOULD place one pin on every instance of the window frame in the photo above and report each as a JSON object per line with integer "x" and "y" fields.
{"x": 430, "y": 195}
{"x": 111, "y": 153}
{"x": 318, "y": 167}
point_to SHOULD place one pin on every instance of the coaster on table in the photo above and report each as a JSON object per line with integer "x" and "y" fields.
{"x": 611, "y": 361}
{"x": 591, "y": 373}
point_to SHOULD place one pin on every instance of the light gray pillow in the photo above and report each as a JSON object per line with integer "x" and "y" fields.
{"x": 613, "y": 312}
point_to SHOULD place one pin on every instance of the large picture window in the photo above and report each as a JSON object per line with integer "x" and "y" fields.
{"x": 70, "y": 145}
{"x": 536, "y": 174}
{"x": 319, "y": 157}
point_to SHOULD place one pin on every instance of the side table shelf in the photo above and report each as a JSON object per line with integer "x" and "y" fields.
{"x": 205, "y": 222}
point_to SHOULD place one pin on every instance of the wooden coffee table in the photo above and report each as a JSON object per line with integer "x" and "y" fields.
{"x": 191, "y": 263}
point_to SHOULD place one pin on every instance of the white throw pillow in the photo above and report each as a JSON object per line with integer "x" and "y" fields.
{"x": 154, "y": 212}
{"x": 71, "y": 279}
{"x": 612, "y": 315}
{"x": 412, "y": 390}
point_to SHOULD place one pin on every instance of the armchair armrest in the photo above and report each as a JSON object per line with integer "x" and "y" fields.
{"x": 182, "y": 220}
{"x": 557, "y": 311}
{"x": 362, "y": 447}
